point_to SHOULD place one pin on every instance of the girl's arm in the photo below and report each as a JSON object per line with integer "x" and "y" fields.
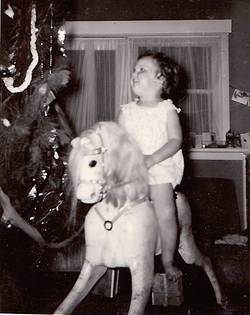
{"x": 120, "y": 118}
{"x": 174, "y": 141}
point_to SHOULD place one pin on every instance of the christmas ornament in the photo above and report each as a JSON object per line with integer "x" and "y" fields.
{"x": 51, "y": 38}
{"x": 7, "y": 71}
{"x": 6, "y": 122}
{"x": 9, "y": 12}
{"x": 61, "y": 39}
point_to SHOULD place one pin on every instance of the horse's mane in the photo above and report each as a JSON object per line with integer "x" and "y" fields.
{"x": 124, "y": 166}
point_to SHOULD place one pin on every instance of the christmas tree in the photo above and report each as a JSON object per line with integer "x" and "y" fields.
{"x": 35, "y": 135}
{"x": 35, "y": 139}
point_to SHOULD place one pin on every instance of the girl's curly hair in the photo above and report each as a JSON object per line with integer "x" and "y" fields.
{"x": 174, "y": 83}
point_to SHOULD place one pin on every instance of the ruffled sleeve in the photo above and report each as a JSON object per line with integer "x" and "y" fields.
{"x": 169, "y": 105}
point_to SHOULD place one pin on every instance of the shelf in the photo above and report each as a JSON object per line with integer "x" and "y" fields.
{"x": 220, "y": 150}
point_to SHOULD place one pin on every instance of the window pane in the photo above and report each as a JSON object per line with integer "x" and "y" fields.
{"x": 197, "y": 63}
{"x": 196, "y": 113}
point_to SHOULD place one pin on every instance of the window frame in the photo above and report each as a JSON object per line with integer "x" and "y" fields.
{"x": 176, "y": 28}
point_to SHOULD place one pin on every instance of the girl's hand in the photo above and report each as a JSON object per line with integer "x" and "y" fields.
{"x": 149, "y": 161}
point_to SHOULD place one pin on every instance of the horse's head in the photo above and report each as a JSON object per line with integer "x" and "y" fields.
{"x": 86, "y": 166}
{"x": 106, "y": 163}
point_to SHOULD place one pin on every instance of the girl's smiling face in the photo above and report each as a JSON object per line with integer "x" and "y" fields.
{"x": 144, "y": 80}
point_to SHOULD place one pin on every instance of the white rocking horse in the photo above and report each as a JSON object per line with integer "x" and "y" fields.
{"x": 107, "y": 169}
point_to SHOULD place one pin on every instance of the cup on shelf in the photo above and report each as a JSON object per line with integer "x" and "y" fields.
{"x": 198, "y": 141}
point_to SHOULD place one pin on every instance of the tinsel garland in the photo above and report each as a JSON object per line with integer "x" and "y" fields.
{"x": 31, "y": 35}
{"x": 28, "y": 77}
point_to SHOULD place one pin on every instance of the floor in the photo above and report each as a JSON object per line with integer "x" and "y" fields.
{"x": 24, "y": 291}
{"x": 42, "y": 293}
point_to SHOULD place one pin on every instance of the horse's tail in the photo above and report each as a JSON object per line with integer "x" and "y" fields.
{"x": 183, "y": 210}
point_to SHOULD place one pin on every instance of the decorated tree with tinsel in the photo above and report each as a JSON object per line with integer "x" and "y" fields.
{"x": 33, "y": 128}
{"x": 34, "y": 132}
{"x": 34, "y": 135}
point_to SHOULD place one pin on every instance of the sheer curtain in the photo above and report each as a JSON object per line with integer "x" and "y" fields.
{"x": 103, "y": 67}
{"x": 101, "y": 80}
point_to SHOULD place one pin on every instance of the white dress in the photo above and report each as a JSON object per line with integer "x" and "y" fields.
{"x": 148, "y": 126}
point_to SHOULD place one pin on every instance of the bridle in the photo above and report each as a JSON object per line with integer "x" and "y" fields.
{"x": 99, "y": 151}
{"x": 104, "y": 188}
{"x": 102, "y": 181}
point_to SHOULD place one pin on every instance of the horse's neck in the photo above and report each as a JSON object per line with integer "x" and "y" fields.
{"x": 128, "y": 191}
{"x": 106, "y": 206}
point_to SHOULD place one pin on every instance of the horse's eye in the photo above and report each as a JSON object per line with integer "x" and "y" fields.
{"x": 92, "y": 163}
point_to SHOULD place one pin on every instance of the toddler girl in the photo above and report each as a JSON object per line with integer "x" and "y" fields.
{"x": 153, "y": 122}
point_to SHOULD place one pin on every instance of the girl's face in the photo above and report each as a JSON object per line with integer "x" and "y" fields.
{"x": 145, "y": 78}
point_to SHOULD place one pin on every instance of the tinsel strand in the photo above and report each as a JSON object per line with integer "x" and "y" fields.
{"x": 10, "y": 81}
{"x": 51, "y": 38}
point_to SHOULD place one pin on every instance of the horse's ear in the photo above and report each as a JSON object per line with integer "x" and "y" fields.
{"x": 75, "y": 142}
{"x": 86, "y": 142}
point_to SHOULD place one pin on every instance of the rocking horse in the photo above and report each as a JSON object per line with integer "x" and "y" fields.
{"x": 107, "y": 170}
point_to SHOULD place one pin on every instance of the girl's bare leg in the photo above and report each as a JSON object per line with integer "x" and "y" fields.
{"x": 165, "y": 209}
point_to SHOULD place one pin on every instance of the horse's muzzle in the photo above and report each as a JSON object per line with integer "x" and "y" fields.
{"x": 89, "y": 192}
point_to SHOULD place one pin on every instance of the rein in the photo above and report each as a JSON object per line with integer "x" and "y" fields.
{"x": 66, "y": 241}
{"x": 108, "y": 224}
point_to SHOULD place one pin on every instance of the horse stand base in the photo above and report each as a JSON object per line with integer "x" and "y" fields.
{"x": 166, "y": 292}
{"x": 108, "y": 284}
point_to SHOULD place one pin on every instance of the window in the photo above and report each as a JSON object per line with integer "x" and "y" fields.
{"x": 103, "y": 55}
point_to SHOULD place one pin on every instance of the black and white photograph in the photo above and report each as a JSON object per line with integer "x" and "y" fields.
{"x": 241, "y": 97}
{"x": 125, "y": 157}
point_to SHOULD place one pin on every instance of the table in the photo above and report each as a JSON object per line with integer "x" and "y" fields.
{"x": 227, "y": 163}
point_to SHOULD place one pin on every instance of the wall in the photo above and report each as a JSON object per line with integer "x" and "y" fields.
{"x": 239, "y": 40}
{"x": 239, "y": 54}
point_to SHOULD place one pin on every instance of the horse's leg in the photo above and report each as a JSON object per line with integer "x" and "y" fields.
{"x": 192, "y": 255}
{"x": 142, "y": 274}
{"x": 88, "y": 277}
{"x": 189, "y": 250}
